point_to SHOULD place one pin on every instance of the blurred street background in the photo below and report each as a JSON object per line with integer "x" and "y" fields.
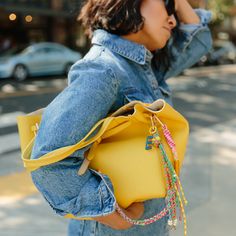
{"x": 206, "y": 94}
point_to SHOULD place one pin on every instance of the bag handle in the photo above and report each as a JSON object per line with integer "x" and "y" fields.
{"x": 61, "y": 153}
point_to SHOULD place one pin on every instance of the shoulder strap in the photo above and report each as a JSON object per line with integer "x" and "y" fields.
{"x": 62, "y": 153}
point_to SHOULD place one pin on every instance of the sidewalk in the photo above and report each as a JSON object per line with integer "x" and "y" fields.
{"x": 209, "y": 177}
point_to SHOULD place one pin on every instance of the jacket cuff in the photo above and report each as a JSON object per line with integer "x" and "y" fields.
{"x": 107, "y": 194}
{"x": 103, "y": 195}
{"x": 205, "y": 17}
{"x": 64, "y": 192}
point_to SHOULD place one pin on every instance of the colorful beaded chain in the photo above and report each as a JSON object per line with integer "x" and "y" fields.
{"x": 175, "y": 192}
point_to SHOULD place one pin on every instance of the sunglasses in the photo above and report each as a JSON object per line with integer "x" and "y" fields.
{"x": 170, "y": 7}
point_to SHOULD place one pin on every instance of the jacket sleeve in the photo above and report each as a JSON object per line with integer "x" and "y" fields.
{"x": 187, "y": 45}
{"x": 67, "y": 119}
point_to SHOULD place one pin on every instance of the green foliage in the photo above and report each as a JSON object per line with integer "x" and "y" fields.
{"x": 220, "y": 9}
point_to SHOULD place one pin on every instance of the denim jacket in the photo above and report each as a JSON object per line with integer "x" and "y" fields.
{"x": 114, "y": 72}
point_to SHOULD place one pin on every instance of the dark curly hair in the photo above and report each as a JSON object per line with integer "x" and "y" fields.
{"x": 119, "y": 17}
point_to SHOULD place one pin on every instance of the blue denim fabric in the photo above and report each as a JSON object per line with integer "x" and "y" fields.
{"x": 114, "y": 72}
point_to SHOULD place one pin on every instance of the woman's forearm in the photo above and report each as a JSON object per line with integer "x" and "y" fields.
{"x": 185, "y": 13}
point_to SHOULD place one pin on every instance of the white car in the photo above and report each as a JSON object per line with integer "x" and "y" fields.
{"x": 38, "y": 59}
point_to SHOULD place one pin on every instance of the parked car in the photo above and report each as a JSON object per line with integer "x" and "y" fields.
{"x": 38, "y": 59}
{"x": 222, "y": 52}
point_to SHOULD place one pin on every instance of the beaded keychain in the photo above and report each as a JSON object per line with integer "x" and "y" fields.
{"x": 175, "y": 192}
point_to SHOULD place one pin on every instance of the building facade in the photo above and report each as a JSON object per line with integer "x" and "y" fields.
{"x": 29, "y": 21}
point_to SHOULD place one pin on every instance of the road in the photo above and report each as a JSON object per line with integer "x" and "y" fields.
{"x": 23, "y": 211}
{"x": 205, "y": 96}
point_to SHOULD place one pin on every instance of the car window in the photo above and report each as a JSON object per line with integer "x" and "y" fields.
{"x": 53, "y": 50}
{"x": 40, "y": 50}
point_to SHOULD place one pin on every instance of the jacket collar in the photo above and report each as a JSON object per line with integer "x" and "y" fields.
{"x": 128, "y": 49}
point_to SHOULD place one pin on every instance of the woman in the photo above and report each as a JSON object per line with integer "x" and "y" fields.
{"x": 136, "y": 46}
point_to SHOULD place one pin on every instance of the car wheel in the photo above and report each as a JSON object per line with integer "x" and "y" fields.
{"x": 20, "y": 73}
{"x": 67, "y": 68}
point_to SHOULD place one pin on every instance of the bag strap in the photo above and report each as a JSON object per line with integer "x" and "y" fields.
{"x": 61, "y": 153}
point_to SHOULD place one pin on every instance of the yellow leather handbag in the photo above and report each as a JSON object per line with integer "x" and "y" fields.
{"x": 141, "y": 148}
